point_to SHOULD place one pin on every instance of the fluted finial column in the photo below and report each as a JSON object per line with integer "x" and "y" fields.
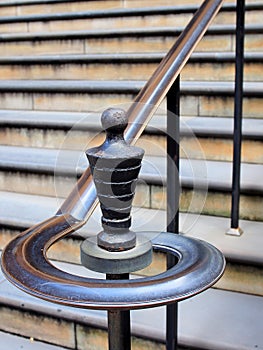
{"x": 115, "y": 166}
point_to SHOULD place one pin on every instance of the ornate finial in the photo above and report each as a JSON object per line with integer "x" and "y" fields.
{"x": 115, "y": 166}
{"x": 114, "y": 121}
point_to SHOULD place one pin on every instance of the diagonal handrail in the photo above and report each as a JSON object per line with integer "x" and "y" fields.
{"x": 82, "y": 200}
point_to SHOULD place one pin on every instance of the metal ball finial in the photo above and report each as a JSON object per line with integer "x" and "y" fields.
{"x": 114, "y": 121}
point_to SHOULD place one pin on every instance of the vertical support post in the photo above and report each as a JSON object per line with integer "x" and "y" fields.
{"x": 115, "y": 168}
{"x": 238, "y": 110}
{"x": 119, "y": 325}
{"x": 173, "y": 196}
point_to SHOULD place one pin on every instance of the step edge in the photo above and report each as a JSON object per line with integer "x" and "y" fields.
{"x": 139, "y": 32}
{"x": 196, "y": 57}
{"x": 126, "y": 12}
{"x": 193, "y": 88}
{"x": 208, "y": 228}
{"x": 189, "y": 126}
{"x": 45, "y": 161}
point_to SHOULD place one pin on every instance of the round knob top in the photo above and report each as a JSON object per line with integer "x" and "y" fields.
{"x": 114, "y": 121}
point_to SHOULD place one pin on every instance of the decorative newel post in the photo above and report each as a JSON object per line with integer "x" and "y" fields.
{"x": 116, "y": 250}
{"x": 115, "y": 166}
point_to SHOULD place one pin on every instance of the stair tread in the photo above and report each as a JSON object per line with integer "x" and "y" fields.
{"x": 121, "y": 86}
{"x": 30, "y": 2}
{"x": 116, "y": 12}
{"x": 71, "y": 86}
{"x": 199, "y": 126}
{"x": 10, "y": 341}
{"x": 22, "y": 211}
{"x": 122, "y": 32}
{"x": 128, "y": 57}
{"x": 198, "y": 325}
{"x": 214, "y": 175}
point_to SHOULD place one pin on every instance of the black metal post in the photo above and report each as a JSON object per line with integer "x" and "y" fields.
{"x": 238, "y": 110}
{"x": 173, "y": 196}
{"x": 119, "y": 325}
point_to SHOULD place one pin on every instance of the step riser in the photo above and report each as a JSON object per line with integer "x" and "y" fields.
{"x": 168, "y": 20}
{"x": 102, "y": 71}
{"x": 142, "y": 71}
{"x": 222, "y": 43}
{"x": 91, "y": 5}
{"x": 242, "y": 278}
{"x": 37, "y": 326}
{"x": 207, "y": 203}
{"x": 85, "y": 6}
{"x": 42, "y": 48}
{"x": 13, "y": 27}
{"x": 190, "y": 105}
{"x": 194, "y": 148}
{"x": 60, "y": 7}
{"x": 100, "y": 23}
{"x": 72, "y": 335}
{"x": 147, "y": 196}
{"x": 63, "y": 102}
{"x": 219, "y": 204}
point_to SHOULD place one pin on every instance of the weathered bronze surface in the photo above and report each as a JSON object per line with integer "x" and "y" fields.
{"x": 115, "y": 166}
{"x": 25, "y": 264}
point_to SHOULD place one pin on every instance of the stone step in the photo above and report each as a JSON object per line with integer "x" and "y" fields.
{"x": 21, "y": 211}
{"x": 244, "y": 258}
{"x": 122, "y": 17}
{"x": 201, "y": 66}
{"x": 205, "y": 185}
{"x": 201, "y": 138}
{"x": 73, "y": 163}
{"x": 202, "y": 126}
{"x": 244, "y": 271}
{"x": 11, "y": 341}
{"x": 83, "y": 329}
{"x": 217, "y": 38}
{"x": 103, "y": 19}
{"x": 199, "y": 98}
{"x": 25, "y": 7}
{"x": 12, "y": 8}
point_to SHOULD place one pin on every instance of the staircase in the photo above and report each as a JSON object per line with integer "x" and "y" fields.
{"x": 61, "y": 64}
